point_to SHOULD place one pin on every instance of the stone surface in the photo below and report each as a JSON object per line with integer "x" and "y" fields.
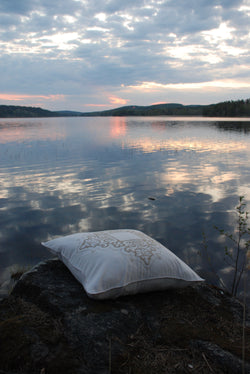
{"x": 48, "y": 325}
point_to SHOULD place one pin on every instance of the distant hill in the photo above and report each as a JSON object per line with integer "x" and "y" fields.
{"x": 68, "y": 113}
{"x": 12, "y": 111}
{"x": 239, "y": 108}
{"x": 151, "y": 110}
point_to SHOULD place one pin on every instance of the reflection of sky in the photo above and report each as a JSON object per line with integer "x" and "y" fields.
{"x": 60, "y": 176}
{"x": 12, "y": 132}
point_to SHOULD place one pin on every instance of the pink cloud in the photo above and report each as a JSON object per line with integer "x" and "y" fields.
{"x": 117, "y": 100}
{"x": 16, "y": 97}
{"x": 114, "y": 100}
{"x": 158, "y": 103}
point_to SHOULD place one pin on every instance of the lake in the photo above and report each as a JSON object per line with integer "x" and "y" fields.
{"x": 172, "y": 178}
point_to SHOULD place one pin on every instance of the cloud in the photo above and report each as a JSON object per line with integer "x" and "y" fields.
{"x": 84, "y": 50}
{"x": 14, "y": 97}
{"x": 193, "y": 86}
{"x": 15, "y": 6}
{"x": 117, "y": 100}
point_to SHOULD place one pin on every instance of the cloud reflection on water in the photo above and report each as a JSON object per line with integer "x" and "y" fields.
{"x": 97, "y": 174}
{"x": 149, "y": 145}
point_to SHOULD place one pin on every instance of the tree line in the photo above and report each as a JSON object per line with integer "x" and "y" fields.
{"x": 239, "y": 108}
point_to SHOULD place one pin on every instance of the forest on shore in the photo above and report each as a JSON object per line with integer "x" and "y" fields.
{"x": 238, "y": 108}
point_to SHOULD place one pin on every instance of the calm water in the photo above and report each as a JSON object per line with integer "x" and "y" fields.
{"x": 65, "y": 175}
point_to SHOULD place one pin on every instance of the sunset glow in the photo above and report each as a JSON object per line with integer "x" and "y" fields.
{"x": 17, "y": 97}
{"x": 81, "y": 54}
{"x": 118, "y": 127}
{"x": 117, "y": 100}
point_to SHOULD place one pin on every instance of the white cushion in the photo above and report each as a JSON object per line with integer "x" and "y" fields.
{"x": 120, "y": 262}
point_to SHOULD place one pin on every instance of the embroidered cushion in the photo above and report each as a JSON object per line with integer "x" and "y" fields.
{"x": 120, "y": 262}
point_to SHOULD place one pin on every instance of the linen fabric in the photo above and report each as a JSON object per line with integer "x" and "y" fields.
{"x": 113, "y": 263}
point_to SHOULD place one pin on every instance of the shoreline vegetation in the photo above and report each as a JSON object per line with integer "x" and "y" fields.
{"x": 239, "y": 108}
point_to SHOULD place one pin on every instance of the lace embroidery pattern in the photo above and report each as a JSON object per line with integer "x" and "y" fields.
{"x": 142, "y": 247}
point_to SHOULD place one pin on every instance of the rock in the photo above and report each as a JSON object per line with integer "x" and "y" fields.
{"x": 48, "y": 324}
{"x": 227, "y": 360}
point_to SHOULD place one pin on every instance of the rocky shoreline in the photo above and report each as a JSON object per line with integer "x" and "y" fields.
{"x": 49, "y": 325}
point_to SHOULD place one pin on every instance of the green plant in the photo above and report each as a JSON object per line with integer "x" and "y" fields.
{"x": 239, "y": 259}
{"x": 240, "y": 240}
{"x": 237, "y": 253}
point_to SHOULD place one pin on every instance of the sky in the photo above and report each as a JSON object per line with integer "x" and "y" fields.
{"x": 89, "y": 55}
